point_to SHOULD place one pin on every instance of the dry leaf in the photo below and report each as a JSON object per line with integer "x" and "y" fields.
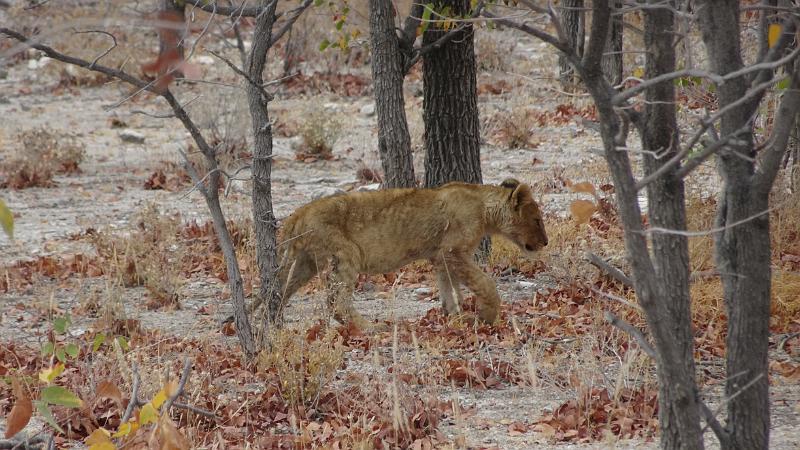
{"x": 582, "y": 210}
{"x": 170, "y": 437}
{"x": 19, "y": 416}
{"x": 107, "y": 389}
{"x": 583, "y": 187}
{"x": 775, "y": 30}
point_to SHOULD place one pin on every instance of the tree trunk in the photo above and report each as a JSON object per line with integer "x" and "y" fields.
{"x": 264, "y": 223}
{"x": 742, "y": 249}
{"x": 612, "y": 59}
{"x": 452, "y": 150}
{"x": 394, "y": 141}
{"x": 170, "y": 41}
{"x": 573, "y": 22}
{"x": 679, "y": 412}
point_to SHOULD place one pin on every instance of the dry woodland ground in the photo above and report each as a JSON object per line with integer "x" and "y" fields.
{"x": 109, "y": 232}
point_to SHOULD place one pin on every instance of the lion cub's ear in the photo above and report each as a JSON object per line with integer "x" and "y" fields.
{"x": 522, "y": 194}
{"x": 510, "y": 183}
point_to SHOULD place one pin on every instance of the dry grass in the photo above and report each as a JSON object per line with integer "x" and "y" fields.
{"x": 318, "y": 134}
{"x": 40, "y": 155}
{"x": 149, "y": 255}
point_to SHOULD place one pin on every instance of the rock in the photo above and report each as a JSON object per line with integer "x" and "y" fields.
{"x": 423, "y": 291}
{"x": 368, "y": 110}
{"x": 204, "y": 60}
{"x": 526, "y": 284}
{"x": 369, "y": 187}
{"x": 332, "y": 107}
{"x": 326, "y": 191}
{"x": 133, "y": 137}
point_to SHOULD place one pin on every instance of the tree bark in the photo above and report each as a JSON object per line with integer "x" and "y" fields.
{"x": 452, "y": 141}
{"x": 742, "y": 248}
{"x": 264, "y": 222}
{"x": 394, "y": 140}
{"x": 612, "y": 59}
{"x": 679, "y": 411}
{"x": 573, "y": 22}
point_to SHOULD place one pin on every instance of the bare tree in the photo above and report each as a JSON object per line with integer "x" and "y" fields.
{"x": 742, "y": 242}
{"x": 207, "y": 185}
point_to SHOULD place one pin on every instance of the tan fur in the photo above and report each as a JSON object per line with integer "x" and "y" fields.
{"x": 379, "y": 232}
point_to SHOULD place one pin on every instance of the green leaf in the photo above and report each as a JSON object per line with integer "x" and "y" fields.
{"x": 72, "y": 350}
{"x": 6, "y": 219}
{"x": 60, "y": 324}
{"x": 47, "y": 348}
{"x": 57, "y": 395}
{"x": 47, "y": 415}
{"x": 784, "y": 84}
{"x": 339, "y": 24}
{"x": 123, "y": 343}
{"x": 317, "y": 2}
{"x": 99, "y": 338}
{"x": 324, "y": 44}
{"x": 426, "y": 16}
{"x": 61, "y": 355}
{"x": 345, "y": 10}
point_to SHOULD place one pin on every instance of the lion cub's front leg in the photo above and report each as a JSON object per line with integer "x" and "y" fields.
{"x": 466, "y": 271}
{"x": 341, "y": 281}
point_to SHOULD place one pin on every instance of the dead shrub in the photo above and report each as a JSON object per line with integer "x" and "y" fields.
{"x": 40, "y": 155}
{"x": 304, "y": 366}
{"x": 149, "y": 255}
{"x": 318, "y": 135}
{"x": 492, "y": 51}
{"x": 513, "y": 129}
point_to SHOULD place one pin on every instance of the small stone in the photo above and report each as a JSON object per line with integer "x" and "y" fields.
{"x": 369, "y": 187}
{"x": 204, "y": 60}
{"x": 423, "y": 291}
{"x": 526, "y": 284}
{"x": 131, "y": 136}
{"x": 326, "y": 192}
{"x": 368, "y": 110}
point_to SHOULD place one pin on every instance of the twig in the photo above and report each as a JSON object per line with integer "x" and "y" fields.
{"x": 134, "y": 401}
{"x": 266, "y": 95}
{"x": 187, "y": 370}
{"x": 633, "y": 331}
{"x": 195, "y": 409}
{"x": 616, "y": 298}
{"x": 612, "y": 271}
{"x": 711, "y": 421}
{"x": 31, "y": 443}
{"x": 113, "y": 45}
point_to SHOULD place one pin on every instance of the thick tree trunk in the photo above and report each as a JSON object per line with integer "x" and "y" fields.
{"x": 394, "y": 141}
{"x": 573, "y": 22}
{"x": 612, "y": 59}
{"x": 264, "y": 223}
{"x": 679, "y": 412}
{"x": 452, "y": 150}
{"x": 743, "y": 247}
{"x": 170, "y": 40}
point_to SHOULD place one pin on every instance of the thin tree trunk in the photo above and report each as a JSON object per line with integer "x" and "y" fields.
{"x": 612, "y": 59}
{"x": 170, "y": 40}
{"x": 452, "y": 141}
{"x": 264, "y": 222}
{"x": 742, "y": 250}
{"x": 573, "y": 22}
{"x": 394, "y": 140}
{"x": 679, "y": 412}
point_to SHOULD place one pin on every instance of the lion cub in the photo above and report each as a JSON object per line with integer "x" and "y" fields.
{"x": 381, "y": 231}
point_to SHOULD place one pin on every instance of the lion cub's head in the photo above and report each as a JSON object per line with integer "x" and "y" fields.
{"x": 524, "y": 223}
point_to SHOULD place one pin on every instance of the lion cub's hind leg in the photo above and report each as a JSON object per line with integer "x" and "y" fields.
{"x": 448, "y": 283}
{"x": 296, "y": 270}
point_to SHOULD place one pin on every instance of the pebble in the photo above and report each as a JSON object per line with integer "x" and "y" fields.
{"x": 368, "y": 110}
{"x": 423, "y": 291}
{"x": 131, "y": 136}
{"x": 370, "y": 187}
{"x": 326, "y": 192}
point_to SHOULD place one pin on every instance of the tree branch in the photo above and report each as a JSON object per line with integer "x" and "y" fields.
{"x": 770, "y": 160}
{"x": 612, "y": 271}
{"x": 711, "y": 421}
{"x": 601, "y": 15}
{"x": 633, "y": 331}
{"x": 240, "y": 11}
{"x": 293, "y": 15}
